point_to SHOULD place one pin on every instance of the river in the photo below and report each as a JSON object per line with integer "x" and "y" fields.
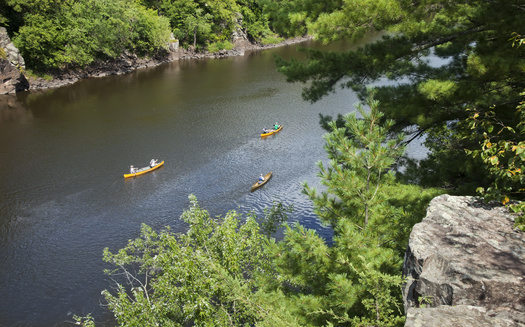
{"x": 63, "y": 152}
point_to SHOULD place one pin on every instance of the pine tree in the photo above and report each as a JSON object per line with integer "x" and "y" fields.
{"x": 356, "y": 278}
{"x": 442, "y": 58}
{"x": 359, "y": 165}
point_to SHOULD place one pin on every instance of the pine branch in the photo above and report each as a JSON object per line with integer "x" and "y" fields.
{"x": 448, "y": 38}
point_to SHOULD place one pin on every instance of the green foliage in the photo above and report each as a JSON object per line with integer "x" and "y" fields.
{"x": 255, "y": 23}
{"x": 218, "y": 46}
{"x": 206, "y": 277}
{"x": 274, "y": 218}
{"x": 86, "y": 321}
{"x": 225, "y": 272}
{"x": 355, "y": 278}
{"x": 176, "y": 12}
{"x": 40, "y": 43}
{"x": 403, "y": 207}
{"x": 68, "y": 34}
{"x": 378, "y": 305}
{"x": 473, "y": 66}
{"x": 296, "y": 17}
{"x": 503, "y": 153}
{"x": 272, "y": 39}
{"x": 353, "y": 19}
{"x": 434, "y": 89}
{"x": 331, "y": 284}
{"x": 4, "y": 13}
{"x": 149, "y": 32}
{"x": 198, "y": 24}
{"x": 278, "y": 15}
{"x": 426, "y": 300}
{"x": 359, "y": 165}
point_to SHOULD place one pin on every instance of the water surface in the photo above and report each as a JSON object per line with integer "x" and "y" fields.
{"x": 63, "y": 153}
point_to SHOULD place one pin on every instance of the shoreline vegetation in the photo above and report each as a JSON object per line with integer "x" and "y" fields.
{"x": 57, "y": 43}
{"x": 128, "y": 63}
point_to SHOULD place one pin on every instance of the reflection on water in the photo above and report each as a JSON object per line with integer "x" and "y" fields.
{"x": 13, "y": 110}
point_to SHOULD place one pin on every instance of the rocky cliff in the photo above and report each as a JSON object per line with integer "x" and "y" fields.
{"x": 465, "y": 266}
{"x": 11, "y": 65}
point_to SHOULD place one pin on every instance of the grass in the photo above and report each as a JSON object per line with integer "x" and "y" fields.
{"x": 31, "y": 74}
{"x": 272, "y": 40}
{"x": 218, "y": 46}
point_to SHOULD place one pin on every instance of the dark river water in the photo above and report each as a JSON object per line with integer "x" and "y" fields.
{"x": 63, "y": 154}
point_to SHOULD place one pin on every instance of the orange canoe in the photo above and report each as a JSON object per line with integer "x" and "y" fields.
{"x": 263, "y": 135}
{"x": 144, "y": 170}
{"x": 259, "y": 183}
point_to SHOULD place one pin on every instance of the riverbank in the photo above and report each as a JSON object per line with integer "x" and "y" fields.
{"x": 131, "y": 62}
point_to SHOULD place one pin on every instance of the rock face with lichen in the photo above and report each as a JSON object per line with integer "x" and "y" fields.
{"x": 465, "y": 266}
{"x": 11, "y": 63}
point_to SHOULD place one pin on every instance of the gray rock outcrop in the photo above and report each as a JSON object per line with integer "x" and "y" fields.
{"x": 239, "y": 36}
{"x": 11, "y": 65}
{"x": 465, "y": 266}
{"x": 13, "y": 55}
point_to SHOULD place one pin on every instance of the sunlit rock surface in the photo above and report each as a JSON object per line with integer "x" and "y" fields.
{"x": 12, "y": 64}
{"x": 465, "y": 265}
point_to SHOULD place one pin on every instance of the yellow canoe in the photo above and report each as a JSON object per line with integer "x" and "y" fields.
{"x": 263, "y": 135}
{"x": 144, "y": 170}
{"x": 259, "y": 183}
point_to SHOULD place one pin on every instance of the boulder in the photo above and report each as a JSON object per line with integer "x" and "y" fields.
{"x": 458, "y": 316}
{"x": 465, "y": 261}
{"x": 11, "y": 78}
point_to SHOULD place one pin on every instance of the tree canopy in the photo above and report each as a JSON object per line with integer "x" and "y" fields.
{"x": 436, "y": 59}
{"x": 70, "y": 34}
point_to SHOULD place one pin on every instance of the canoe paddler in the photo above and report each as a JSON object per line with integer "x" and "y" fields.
{"x": 132, "y": 169}
{"x": 261, "y": 179}
{"x": 153, "y": 163}
{"x": 276, "y": 126}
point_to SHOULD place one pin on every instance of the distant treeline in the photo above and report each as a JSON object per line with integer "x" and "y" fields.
{"x": 65, "y": 34}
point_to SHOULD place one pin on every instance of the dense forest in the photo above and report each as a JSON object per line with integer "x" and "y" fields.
{"x": 231, "y": 271}
{"x": 67, "y": 34}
